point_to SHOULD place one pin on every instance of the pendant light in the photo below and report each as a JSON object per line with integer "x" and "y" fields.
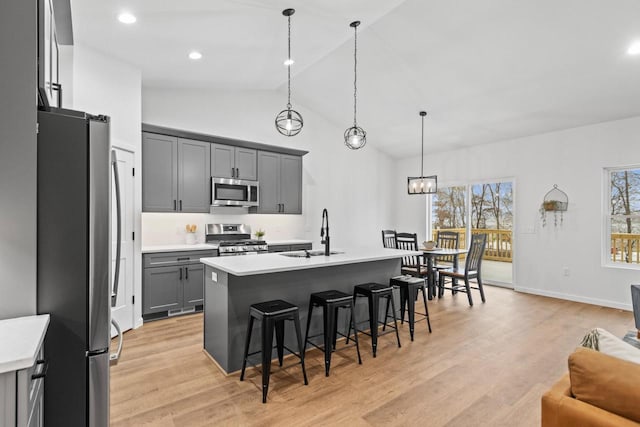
{"x": 355, "y": 137}
{"x": 289, "y": 122}
{"x": 422, "y": 184}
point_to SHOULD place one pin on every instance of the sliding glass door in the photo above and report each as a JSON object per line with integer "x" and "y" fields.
{"x": 480, "y": 208}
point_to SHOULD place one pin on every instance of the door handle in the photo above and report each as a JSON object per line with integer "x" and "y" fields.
{"x": 186, "y": 273}
{"x": 116, "y": 274}
{"x": 180, "y": 273}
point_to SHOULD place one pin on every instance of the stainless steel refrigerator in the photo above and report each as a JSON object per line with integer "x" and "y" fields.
{"x": 74, "y": 264}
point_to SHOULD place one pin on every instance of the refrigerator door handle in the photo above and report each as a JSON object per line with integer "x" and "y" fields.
{"x": 114, "y": 357}
{"x": 116, "y": 274}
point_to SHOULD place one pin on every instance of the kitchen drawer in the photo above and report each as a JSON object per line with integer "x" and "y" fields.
{"x": 165, "y": 259}
{"x": 301, "y": 247}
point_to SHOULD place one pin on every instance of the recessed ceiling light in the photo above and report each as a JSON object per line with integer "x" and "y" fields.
{"x": 127, "y": 18}
{"x": 288, "y": 62}
{"x": 195, "y": 55}
{"x": 634, "y": 49}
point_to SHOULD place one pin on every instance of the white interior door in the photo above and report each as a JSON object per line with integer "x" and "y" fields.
{"x": 123, "y": 310}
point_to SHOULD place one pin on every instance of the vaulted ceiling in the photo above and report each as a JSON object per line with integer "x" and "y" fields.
{"x": 485, "y": 71}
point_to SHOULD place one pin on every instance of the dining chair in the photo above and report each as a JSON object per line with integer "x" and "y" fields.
{"x": 446, "y": 240}
{"x": 471, "y": 270}
{"x": 412, "y": 265}
{"x": 389, "y": 239}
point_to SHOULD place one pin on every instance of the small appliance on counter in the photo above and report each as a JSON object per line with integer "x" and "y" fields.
{"x": 234, "y": 239}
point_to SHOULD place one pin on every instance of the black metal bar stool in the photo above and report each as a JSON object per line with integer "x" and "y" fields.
{"x": 409, "y": 287}
{"x": 331, "y": 302}
{"x": 272, "y": 314}
{"x": 373, "y": 292}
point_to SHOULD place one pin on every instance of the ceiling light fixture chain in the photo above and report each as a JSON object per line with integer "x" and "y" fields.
{"x": 422, "y": 114}
{"x": 289, "y": 122}
{"x": 355, "y": 137}
{"x": 355, "y": 75}
{"x": 289, "y": 64}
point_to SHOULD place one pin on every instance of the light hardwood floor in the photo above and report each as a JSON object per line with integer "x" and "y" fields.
{"x": 485, "y": 365}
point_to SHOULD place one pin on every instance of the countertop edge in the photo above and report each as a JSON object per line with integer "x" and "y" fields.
{"x": 304, "y": 266}
{"x": 25, "y": 362}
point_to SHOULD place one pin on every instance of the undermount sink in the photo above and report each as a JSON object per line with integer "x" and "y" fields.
{"x": 311, "y": 253}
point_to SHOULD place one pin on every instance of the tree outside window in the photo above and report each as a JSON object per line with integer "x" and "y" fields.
{"x": 624, "y": 208}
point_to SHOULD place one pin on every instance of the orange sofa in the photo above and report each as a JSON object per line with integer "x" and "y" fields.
{"x": 599, "y": 390}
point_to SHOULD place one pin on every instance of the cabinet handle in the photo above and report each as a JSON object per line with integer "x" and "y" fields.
{"x": 175, "y": 205}
{"x": 233, "y": 172}
{"x": 186, "y": 273}
{"x": 237, "y": 173}
{"x": 180, "y": 273}
{"x": 180, "y": 204}
{"x": 283, "y": 208}
{"x": 43, "y": 372}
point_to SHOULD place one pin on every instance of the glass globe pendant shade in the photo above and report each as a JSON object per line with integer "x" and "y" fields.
{"x": 355, "y": 137}
{"x": 289, "y": 122}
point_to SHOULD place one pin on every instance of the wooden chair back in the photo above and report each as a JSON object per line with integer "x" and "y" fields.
{"x": 408, "y": 242}
{"x": 476, "y": 251}
{"x": 389, "y": 239}
{"x": 447, "y": 240}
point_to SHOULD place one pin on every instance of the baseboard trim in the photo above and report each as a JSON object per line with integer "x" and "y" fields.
{"x": 575, "y": 298}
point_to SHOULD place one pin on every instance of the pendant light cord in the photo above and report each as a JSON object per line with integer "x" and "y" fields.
{"x": 355, "y": 75}
{"x": 289, "y": 66}
{"x": 422, "y": 152}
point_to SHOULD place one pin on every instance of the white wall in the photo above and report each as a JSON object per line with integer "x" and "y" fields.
{"x": 574, "y": 160}
{"x": 18, "y": 159}
{"x": 105, "y": 85}
{"x": 355, "y": 186}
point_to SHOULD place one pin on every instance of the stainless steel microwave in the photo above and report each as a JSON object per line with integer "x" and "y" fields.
{"x": 234, "y": 192}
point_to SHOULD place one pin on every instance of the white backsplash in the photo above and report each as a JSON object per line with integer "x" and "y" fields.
{"x": 170, "y": 228}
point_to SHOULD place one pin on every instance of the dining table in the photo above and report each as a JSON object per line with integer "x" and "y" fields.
{"x": 430, "y": 256}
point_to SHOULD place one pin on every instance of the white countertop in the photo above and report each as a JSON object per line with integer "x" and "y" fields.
{"x": 179, "y": 247}
{"x": 287, "y": 242}
{"x": 272, "y": 263}
{"x": 20, "y": 339}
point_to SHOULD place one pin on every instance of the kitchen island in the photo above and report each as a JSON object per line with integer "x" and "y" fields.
{"x": 233, "y": 283}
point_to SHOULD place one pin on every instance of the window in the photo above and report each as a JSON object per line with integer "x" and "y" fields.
{"x": 623, "y": 220}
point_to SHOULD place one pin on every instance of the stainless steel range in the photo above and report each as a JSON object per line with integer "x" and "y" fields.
{"x": 234, "y": 239}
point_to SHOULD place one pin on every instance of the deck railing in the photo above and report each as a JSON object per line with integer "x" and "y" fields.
{"x": 625, "y": 247}
{"x": 498, "y": 242}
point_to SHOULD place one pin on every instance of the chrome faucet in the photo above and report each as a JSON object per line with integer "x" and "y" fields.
{"x": 324, "y": 229}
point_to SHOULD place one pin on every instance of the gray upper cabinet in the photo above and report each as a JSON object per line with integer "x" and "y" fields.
{"x": 223, "y": 161}
{"x": 159, "y": 173}
{"x": 194, "y": 179}
{"x": 175, "y": 174}
{"x": 291, "y": 184}
{"x": 246, "y": 164}
{"x": 280, "y": 177}
{"x": 269, "y": 178}
{"x": 233, "y": 162}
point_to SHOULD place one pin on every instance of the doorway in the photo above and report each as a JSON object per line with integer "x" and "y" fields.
{"x": 123, "y": 310}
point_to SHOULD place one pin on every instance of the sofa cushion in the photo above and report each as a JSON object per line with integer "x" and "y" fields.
{"x": 605, "y": 381}
{"x": 607, "y": 343}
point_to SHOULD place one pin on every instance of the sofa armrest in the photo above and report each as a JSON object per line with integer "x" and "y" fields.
{"x": 560, "y": 409}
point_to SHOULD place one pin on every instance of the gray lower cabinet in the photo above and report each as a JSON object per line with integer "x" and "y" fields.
{"x": 21, "y": 395}
{"x": 233, "y": 162}
{"x": 175, "y": 174}
{"x": 173, "y": 283}
{"x": 280, "y": 177}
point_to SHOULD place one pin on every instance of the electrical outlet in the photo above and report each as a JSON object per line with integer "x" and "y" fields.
{"x": 214, "y": 276}
{"x": 565, "y": 271}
